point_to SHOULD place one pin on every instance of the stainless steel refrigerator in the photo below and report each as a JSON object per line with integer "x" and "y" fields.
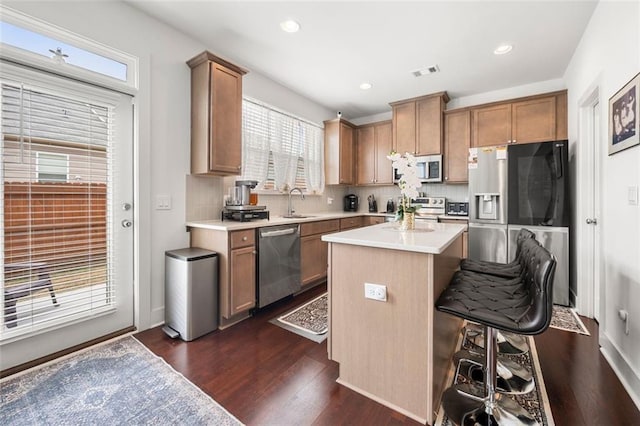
{"x": 521, "y": 186}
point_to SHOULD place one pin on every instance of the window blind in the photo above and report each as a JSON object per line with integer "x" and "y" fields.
{"x": 281, "y": 151}
{"x": 55, "y": 229}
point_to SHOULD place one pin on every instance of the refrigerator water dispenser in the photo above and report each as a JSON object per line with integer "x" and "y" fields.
{"x": 487, "y": 206}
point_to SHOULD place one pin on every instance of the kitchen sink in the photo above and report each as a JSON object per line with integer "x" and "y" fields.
{"x": 295, "y": 216}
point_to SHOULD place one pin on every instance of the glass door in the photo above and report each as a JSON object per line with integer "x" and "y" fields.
{"x": 67, "y": 235}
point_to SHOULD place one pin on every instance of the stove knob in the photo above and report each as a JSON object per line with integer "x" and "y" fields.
{"x": 440, "y": 201}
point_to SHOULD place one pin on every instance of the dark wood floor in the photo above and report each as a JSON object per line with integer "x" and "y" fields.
{"x": 265, "y": 375}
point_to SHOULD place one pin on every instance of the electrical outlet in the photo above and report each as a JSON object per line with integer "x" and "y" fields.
{"x": 329, "y": 200}
{"x": 375, "y": 292}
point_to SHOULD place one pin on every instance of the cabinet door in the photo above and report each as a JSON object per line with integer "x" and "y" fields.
{"x": 404, "y": 128}
{"x": 457, "y": 140}
{"x": 491, "y": 125}
{"x": 533, "y": 120}
{"x": 384, "y": 145}
{"x": 429, "y": 126}
{"x": 365, "y": 158}
{"x": 243, "y": 279}
{"x": 346, "y": 154}
{"x": 313, "y": 258}
{"x": 225, "y": 145}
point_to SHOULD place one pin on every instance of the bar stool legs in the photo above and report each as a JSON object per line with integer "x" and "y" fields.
{"x": 508, "y": 343}
{"x": 469, "y": 404}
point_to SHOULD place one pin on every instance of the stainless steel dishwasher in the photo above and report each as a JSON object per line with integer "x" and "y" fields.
{"x": 278, "y": 262}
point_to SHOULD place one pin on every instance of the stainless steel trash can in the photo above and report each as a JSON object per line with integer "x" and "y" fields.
{"x": 191, "y": 292}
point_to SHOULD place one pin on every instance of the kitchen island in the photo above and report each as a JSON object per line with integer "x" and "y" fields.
{"x": 396, "y": 351}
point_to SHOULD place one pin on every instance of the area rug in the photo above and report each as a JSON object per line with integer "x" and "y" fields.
{"x": 535, "y": 402}
{"x": 117, "y": 383}
{"x": 308, "y": 320}
{"x": 565, "y": 318}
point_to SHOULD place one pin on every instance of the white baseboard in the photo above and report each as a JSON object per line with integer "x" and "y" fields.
{"x": 625, "y": 372}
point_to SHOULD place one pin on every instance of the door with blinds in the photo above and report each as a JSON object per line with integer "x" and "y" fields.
{"x": 66, "y": 213}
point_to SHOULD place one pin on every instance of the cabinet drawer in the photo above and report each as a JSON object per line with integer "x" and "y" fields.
{"x": 320, "y": 227}
{"x": 243, "y": 238}
{"x": 351, "y": 222}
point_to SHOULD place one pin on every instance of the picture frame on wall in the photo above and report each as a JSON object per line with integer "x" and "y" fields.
{"x": 624, "y": 130}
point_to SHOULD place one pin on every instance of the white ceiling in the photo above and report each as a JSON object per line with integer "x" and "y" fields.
{"x": 342, "y": 44}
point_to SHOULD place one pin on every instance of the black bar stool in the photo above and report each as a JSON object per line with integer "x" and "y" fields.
{"x": 507, "y": 342}
{"x": 523, "y": 307}
{"x": 512, "y": 269}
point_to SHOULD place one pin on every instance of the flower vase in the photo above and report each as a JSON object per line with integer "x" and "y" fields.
{"x": 408, "y": 222}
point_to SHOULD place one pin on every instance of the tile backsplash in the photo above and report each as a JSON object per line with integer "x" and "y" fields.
{"x": 205, "y": 196}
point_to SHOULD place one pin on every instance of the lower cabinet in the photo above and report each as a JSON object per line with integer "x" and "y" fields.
{"x": 372, "y": 220}
{"x": 465, "y": 235}
{"x": 236, "y": 269}
{"x": 242, "y": 284}
{"x": 313, "y": 251}
{"x": 351, "y": 222}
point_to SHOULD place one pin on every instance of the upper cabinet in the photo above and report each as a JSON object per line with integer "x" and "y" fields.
{"x": 457, "y": 140}
{"x": 339, "y": 144}
{"x": 417, "y": 124}
{"x": 533, "y": 119}
{"x": 216, "y": 115}
{"x": 374, "y": 143}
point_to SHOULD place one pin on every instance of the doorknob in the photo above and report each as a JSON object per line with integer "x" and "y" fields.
{"x": 593, "y": 221}
{"x": 126, "y": 223}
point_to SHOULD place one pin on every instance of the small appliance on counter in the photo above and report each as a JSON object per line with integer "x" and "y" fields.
{"x": 391, "y": 206}
{"x": 458, "y": 209}
{"x": 351, "y": 203}
{"x": 373, "y": 204}
{"x": 238, "y": 204}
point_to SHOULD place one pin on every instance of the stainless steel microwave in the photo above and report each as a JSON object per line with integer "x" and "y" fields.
{"x": 429, "y": 169}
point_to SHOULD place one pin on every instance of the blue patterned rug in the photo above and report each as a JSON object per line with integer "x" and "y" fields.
{"x": 117, "y": 383}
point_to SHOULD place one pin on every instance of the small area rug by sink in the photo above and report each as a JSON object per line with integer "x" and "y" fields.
{"x": 308, "y": 320}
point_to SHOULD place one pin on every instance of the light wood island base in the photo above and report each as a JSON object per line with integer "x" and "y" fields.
{"x": 396, "y": 352}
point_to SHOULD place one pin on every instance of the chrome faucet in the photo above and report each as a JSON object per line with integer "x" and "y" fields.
{"x": 289, "y": 207}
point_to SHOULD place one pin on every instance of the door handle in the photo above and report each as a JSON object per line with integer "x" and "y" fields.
{"x": 593, "y": 221}
{"x": 126, "y": 223}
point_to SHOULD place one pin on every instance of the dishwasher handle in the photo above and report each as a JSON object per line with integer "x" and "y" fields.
{"x": 278, "y": 233}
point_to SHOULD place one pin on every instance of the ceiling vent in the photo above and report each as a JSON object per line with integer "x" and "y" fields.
{"x": 426, "y": 70}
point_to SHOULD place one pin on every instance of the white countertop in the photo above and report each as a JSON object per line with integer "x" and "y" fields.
{"x": 230, "y": 225}
{"x": 428, "y": 237}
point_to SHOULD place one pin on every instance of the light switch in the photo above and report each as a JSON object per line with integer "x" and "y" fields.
{"x": 632, "y": 195}
{"x": 163, "y": 202}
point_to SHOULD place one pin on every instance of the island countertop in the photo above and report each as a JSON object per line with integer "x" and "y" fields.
{"x": 427, "y": 237}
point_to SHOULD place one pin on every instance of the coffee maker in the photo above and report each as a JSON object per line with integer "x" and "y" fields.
{"x": 351, "y": 203}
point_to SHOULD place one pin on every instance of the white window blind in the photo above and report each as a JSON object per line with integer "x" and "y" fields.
{"x": 281, "y": 151}
{"x": 55, "y": 231}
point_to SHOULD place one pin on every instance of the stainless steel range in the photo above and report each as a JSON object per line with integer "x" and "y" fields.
{"x": 429, "y": 208}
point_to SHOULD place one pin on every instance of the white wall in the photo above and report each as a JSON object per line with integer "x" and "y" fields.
{"x": 608, "y": 56}
{"x": 163, "y": 104}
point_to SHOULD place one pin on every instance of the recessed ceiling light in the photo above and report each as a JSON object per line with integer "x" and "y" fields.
{"x": 366, "y": 86}
{"x": 290, "y": 26}
{"x": 502, "y": 49}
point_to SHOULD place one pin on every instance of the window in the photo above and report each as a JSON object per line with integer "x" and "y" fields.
{"x": 281, "y": 151}
{"x": 52, "y": 167}
{"x": 31, "y": 42}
